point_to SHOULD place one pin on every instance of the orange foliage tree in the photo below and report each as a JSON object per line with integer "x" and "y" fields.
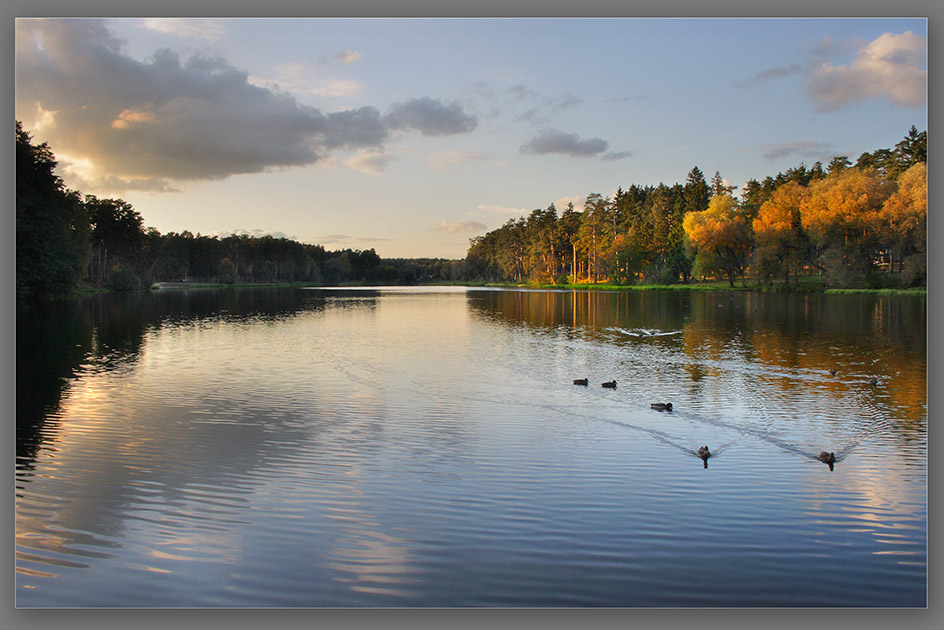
{"x": 781, "y": 242}
{"x": 905, "y": 215}
{"x": 842, "y": 215}
{"x": 720, "y": 236}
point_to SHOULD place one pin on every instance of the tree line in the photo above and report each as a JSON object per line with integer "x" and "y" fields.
{"x": 65, "y": 240}
{"x": 846, "y": 223}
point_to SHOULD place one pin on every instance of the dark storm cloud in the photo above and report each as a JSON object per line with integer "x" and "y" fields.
{"x": 556, "y": 141}
{"x": 429, "y": 116}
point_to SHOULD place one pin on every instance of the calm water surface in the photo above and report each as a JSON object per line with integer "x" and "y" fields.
{"x": 426, "y": 447}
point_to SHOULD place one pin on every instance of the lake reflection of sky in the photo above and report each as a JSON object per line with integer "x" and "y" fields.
{"x": 353, "y": 447}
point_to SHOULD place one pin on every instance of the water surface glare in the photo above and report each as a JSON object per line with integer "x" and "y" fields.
{"x": 427, "y": 447}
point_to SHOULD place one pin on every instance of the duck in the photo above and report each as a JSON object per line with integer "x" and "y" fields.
{"x": 873, "y": 381}
{"x": 581, "y": 381}
{"x": 827, "y": 458}
{"x": 832, "y": 371}
{"x": 661, "y": 406}
{"x": 610, "y": 384}
{"x": 704, "y": 454}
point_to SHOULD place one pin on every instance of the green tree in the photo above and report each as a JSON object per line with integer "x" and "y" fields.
{"x": 51, "y": 225}
{"x": 117, "y": 236}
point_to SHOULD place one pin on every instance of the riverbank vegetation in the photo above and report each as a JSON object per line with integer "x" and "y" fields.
{"x": 861, "y": 225}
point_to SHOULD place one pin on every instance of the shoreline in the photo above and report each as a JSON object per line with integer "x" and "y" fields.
{"x": 717, "y": 287}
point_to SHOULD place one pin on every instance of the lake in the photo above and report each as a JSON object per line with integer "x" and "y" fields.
{"x": 427, "y": 447}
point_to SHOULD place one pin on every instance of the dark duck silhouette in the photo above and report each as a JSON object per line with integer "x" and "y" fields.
{"x": 581, "y": 381}
{"x": 832, "y": 372}
{"x": 828, "y": 458}
{"x": 661, "y": 406}
{"x": 610, "y": 384}
{"x": 704, "y": 454}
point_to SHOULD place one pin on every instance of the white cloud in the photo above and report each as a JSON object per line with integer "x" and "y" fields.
{"x": 349, "y": 56}
{"x": 444, "y": 161}
{"x": 893, "y": 66}
{"x": 577, "y": 200}
{"x": 370, "y": 163}
{"x": 300, "y": 78}
{"x": 208, "y": 29}
{"x": 460, "y": 226}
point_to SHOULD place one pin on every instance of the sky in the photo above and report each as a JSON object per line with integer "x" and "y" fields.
{"x": 411, "y": 136}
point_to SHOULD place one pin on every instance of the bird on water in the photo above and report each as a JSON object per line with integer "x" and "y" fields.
{"x": 581, "y": 381}
{"x": 610, "y": 384}
{"x": 704, "y": 454}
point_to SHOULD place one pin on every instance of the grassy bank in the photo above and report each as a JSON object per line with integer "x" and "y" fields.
{"x": 802, "y": 287}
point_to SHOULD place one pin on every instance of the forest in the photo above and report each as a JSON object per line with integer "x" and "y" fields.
{"x": 861, "y": 224}
{"x": 66, "y": 241}
{"x": 846, "y": 225}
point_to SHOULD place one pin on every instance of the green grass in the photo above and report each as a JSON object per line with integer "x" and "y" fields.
{"x": 920, "y": 291}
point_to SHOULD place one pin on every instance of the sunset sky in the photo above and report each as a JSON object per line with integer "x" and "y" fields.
{"x": 411, "y": 136}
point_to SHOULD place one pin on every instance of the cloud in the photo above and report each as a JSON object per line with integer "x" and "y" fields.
{"x": 460, "y": 226}
{"x": 370, "y": 163}
{"x": 555, "y": 141}
{"x": 544, "y": 106}
{"x": 300, "y": 78}
{"x": 171, "y": 118}
{"x": 165, "y": 118}
{"x": 577, "y": 200}
{"x": 776, "y": 72}
{"x": 429, "y": 116}
{"x": 802, "y": 148}
{"x": 445, "y": 161}
{"x": 893, "y": 67}
{"x": 349, "y": 56}
{"x": 616, "y": 155}
{"x": 208, "y": 29}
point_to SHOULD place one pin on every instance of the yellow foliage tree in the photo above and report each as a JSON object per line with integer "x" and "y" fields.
{"x": 778, "y": 233}
{"x": 842, "y": 214}
{"x": 905, "y": 214}
{"x": 721, "y": 236}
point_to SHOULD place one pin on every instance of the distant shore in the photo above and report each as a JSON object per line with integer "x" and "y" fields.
{"x": 700, "y": 286}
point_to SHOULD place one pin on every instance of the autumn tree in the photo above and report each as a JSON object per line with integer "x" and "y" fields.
{"x": 720, "y": 236}
{"x": 781, "y": 243}
{"x": 905, "y": 215}
{"x": 842, "y": 216}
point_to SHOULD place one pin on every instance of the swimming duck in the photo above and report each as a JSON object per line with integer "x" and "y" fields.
{"x": 610, "y": 384}
{"x": 661, "y": 406}
{"x": 873, "y": 381}
{"x": 832, "y": 372}
{"x": 704, "y": 454}
{"x": 827, "y": 458}
{"x": 581, "y": 381}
